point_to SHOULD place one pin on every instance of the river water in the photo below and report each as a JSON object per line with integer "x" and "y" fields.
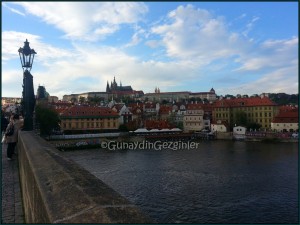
{"x": 219, "y": 182}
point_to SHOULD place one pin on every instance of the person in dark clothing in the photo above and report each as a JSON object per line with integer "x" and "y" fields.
{"x": 13, "y": 139}
{"x": 4, "y": 122}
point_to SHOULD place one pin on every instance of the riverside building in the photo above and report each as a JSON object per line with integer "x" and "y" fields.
{"x": 83, "y": 119}
{"x": 260, "y": 110}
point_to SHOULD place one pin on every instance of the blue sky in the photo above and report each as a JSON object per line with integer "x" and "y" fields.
{"x": 234, "y": 47}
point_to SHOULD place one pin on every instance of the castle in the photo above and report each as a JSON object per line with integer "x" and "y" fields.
{"x": 114, "y": 88}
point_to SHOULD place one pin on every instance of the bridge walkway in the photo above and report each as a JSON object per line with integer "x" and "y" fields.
{"x": 12, "y": 206}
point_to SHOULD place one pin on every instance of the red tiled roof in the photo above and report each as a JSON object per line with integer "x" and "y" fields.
{"x": 122, "y": 92}
{"x": 286, "y": 117}
{"x": 135, "y": 105}
{"x": 194, "y": 106}
{"x": 59, "y": 110}
{"x": 157, "y": 124}
{"x": 285, "y": 108}
{"x": 165, "y": 109}
{"x": 223, "y": 122}
{"x": 134, "y": 109}
{"x": 179, "y": 92}
{"x": 118, "y": 107}
{"x": 285, "y": 120}
{"x": 79, "y": 111}
{"x": 150, "y": 105}
{"x": 244, "y": 102}
{"x": 138, "y": 92}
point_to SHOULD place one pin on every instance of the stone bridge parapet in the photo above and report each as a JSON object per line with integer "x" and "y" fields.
{"x": 57, "y": 190}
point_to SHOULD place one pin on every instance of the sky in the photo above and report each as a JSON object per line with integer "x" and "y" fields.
{"x": 233, "y": 47}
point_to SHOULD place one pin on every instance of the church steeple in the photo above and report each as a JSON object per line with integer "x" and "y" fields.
{"x": 114, "y": 84}
{"x": 107, "y": 87}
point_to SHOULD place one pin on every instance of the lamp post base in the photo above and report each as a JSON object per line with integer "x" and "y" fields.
{"x": 28, "y": 124}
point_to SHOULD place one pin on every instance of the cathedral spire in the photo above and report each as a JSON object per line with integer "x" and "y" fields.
{"x": 107, "y": 87}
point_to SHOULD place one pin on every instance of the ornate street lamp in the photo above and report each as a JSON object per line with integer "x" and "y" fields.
{"x": 26, "y": 57}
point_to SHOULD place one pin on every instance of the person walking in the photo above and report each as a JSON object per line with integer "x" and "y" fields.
{"x": 13, "y": 139}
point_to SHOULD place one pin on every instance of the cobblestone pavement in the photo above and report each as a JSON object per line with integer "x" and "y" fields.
{"x": 12, "y": 208}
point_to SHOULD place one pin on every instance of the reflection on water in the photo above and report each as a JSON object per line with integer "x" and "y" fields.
{"x": 220, "y": 182}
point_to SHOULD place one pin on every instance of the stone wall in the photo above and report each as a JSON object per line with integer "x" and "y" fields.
{"x": 224, "y": 135}
{"x": 57, "y": 190}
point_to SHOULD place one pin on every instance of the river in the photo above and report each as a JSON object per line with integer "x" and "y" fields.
{"x": 218, "y": 182}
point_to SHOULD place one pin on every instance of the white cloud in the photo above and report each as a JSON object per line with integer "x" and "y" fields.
{"x": 13, "y": 9}
{"x": 153, "y": 43}
{"x": 137, "y": 37}
{"x": 11, "y": 43}
{"x": 280, "y": 80}
{"x": 88, "y": 68}
{"x": 88, "y": 21}
{"x": 250, "y": 26}
{"x": 197, "y": 34}
{"x": 271, "y": 54}
{"x": 45, "y": 52}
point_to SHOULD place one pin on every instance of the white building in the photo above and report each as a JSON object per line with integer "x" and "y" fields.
{"x": 193, "y": 118}
{"x": 239, "y": 132}
{"x": 286, "y": 121}
{"x": 219, "y": 126}
{"x": 124, "y": 113}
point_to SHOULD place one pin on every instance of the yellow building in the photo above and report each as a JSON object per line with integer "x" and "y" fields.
{"x": 88, "y": 118}
{"x": 257, "y": 110}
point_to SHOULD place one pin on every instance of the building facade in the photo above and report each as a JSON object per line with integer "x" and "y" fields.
{"x": 180, "y": 96}
{"x": 257, "y": 110}
{"x": 85, "y": 96}
{"x": 219, "y": 126}
{"x": 210, "y": 96}
{"x": 193, "y": 118}
{"x": 286, "y": 122}
{"x": 87, "y": 118}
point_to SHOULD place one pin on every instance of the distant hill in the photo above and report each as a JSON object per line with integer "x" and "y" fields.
{"x": 284, "y": 99}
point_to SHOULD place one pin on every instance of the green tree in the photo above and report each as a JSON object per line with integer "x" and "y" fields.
{"x": 164, "y": 102}
{"x": 81, "y": 99}
{"x": 240, "y": 118}
{"x": 123, "y": 127}
{"x": 253, "y": 126}
{"x": 205, "y": 100}
{"x": 47, "y": 119}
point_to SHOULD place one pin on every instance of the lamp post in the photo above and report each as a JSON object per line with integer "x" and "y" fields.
{"x": 26, "y": 57}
